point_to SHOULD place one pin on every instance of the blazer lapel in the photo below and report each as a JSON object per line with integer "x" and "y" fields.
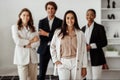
{"x": 48, "y": 26}
{"x": 54, "y": 24}
{"x": 93, "y": 33}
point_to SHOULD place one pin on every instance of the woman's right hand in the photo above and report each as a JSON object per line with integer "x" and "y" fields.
{"x": 83, "y": 72}
{"x": 57, "y": 63}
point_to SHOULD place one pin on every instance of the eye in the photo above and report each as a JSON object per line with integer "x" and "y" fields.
{"x": 48, "y": 8}
{"x": 67, "y": 18}
{"x": 72, "y": 17}
{"x": 24, "y": 15}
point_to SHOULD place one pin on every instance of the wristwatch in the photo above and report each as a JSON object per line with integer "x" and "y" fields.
{"x": 24, "y": 46}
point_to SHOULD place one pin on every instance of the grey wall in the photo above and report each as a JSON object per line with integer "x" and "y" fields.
{"x": 9, "y": 10}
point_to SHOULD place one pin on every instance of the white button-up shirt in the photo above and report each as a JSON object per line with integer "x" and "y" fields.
{"x": 88, "y": 33}
{"x": 50, "y": 22}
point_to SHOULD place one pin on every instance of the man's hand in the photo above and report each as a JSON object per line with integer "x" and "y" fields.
{"x": 88, "y": 47}
{"x": 43, "y": 33}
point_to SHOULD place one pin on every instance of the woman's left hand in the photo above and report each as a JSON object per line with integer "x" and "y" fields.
{"x": 35, "y": 39}
{"x": 57, "y": 63}
{"x": 83, "y": 72}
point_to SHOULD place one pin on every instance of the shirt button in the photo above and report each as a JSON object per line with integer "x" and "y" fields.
{"x": 77, "y": 68}
{"x": 77, "y": 60}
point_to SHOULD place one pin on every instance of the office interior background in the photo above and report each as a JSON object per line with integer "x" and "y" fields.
{"x": 9, "y": 10}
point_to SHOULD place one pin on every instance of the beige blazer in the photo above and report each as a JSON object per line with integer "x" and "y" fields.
{"x": 81, "y": 58}
{"x": 23, "y": 56}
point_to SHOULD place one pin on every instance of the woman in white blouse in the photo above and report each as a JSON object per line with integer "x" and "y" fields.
{"x": 26, "y": 40}
{"x": 68, "y": 49}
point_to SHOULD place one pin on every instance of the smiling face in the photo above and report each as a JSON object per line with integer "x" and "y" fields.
{"x": 25, "y": 17}
{"x": 50, "y": 11}
{"x": 90, "y": 16}
{"x": 70, "y": 20}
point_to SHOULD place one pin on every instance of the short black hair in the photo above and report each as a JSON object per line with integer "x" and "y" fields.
{"x": 93, "y": 10}
{"x": 51, "y": 3}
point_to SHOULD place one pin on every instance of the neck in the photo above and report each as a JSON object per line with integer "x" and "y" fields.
{"x": 24, "y": 24}
{"x": 70, "y": 29}
{"x": 51, "y": 17}
{"x": 89, "y": 24}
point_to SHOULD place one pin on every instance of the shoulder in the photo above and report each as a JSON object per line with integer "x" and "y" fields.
{"x": 98, "y": 25}
{"x": 81, "y": 35}
{"x": 15, "y": 26}
{"x": 57, "y": 31}
{"x": 44, "y": 19}
{"x": 35, "y": 33}
{"x": 56, "y": 18}
{"x": 80, "y": 32}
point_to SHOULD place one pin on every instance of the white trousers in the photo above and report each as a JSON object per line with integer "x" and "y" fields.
{"x": 27, "y": 72}
{"x": 93, "y": 72}
{"x": 66, "y": 70}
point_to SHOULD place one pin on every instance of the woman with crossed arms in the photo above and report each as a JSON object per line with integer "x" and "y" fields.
{"x": 26, "y": 40}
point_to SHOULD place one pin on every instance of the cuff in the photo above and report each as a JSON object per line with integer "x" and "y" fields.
{"x": 93, "y": 46}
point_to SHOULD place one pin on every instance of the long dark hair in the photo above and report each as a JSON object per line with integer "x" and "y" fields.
{"x": 30, "y": 22}
{"x": 64, "y": 25}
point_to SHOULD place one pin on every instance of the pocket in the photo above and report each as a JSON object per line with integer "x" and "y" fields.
{"x": 60, "y": 66}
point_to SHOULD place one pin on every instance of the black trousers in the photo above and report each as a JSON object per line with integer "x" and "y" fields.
{"x": 44, "y": 60}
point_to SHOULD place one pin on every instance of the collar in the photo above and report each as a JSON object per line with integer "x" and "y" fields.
{"x": 51, "y": 19}
{"x": 91, "y": 26}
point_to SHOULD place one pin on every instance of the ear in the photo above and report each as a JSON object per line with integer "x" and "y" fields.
{"x": 95, "y": 16}
{"x": 20, "y": 16}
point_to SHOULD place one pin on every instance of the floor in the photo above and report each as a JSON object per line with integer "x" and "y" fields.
{"x": 48, "y": 77}
{"x": 11, "y": 74}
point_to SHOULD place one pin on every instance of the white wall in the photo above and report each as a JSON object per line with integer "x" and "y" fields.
{"x": 9, "y": 10}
